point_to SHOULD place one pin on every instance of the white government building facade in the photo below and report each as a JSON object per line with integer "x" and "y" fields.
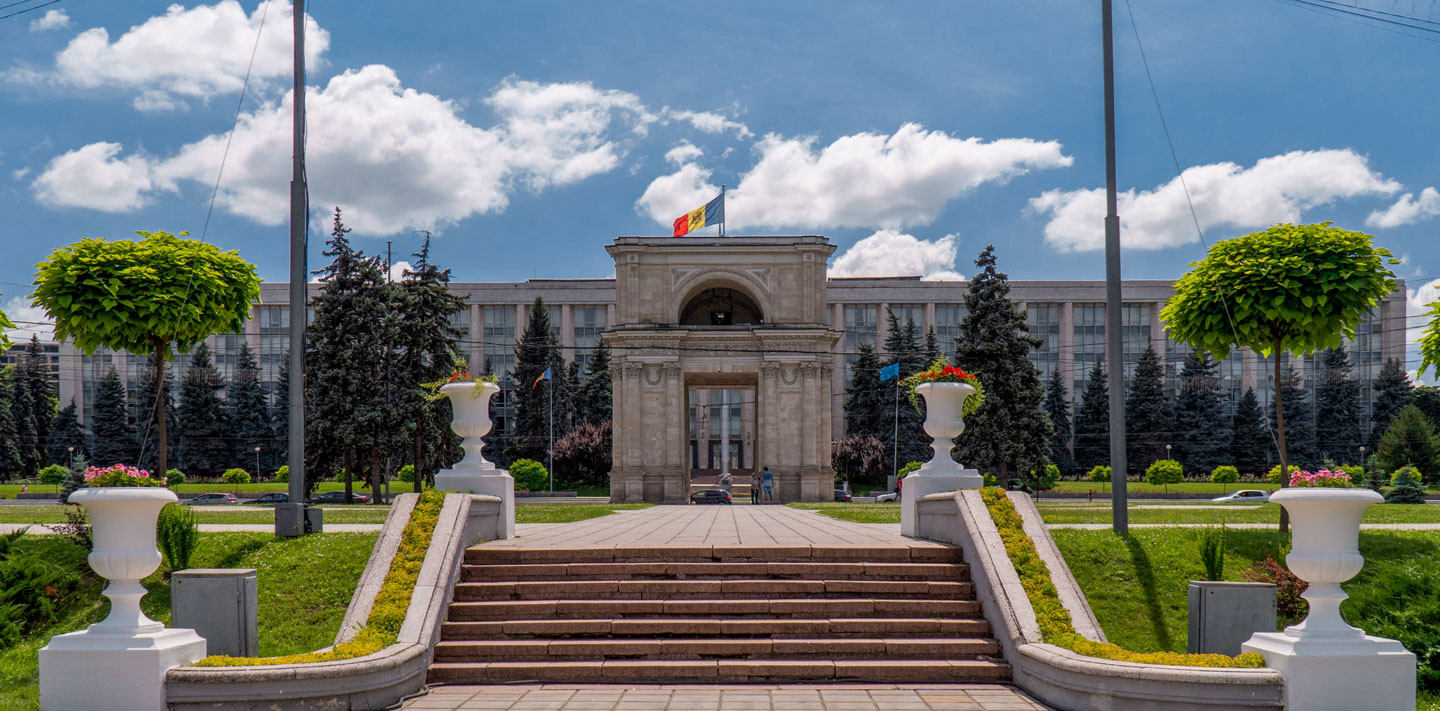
{"x": 745, "y": 341}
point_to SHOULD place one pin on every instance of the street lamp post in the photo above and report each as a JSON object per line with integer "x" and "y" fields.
{"x": 1362, "y": 456}
{"x": 1167, "y": 452}
{"x": 257, "y": 464}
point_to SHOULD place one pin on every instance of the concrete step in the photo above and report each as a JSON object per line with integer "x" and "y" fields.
{"x": 701, "y": 649}
{"x": 800, "y": 608}
{"x": 710, "y": 589}
{"x": 709, "y": 627}
{"x": 726, "y": 670}
{"x": 481, "y": 555}
{"x": 706, "y": 571}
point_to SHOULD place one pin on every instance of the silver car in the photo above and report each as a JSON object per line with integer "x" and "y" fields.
{"x": 1243, "y": 496}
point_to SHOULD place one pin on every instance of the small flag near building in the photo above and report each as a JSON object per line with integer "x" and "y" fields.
{"x": 890, "y": 371}
{"x": 712, "y": 213}
{"x": 543, "y": 376}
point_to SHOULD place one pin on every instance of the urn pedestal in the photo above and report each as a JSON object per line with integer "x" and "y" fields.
{"x": 944, "y": 403}
{"x": 119, "y": 662}
{"x": 1327, "y": 664}
{"x": 474, "y": 473}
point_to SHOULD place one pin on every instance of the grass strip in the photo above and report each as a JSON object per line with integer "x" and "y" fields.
{"x": 382, "y": 628}
{"x": 1056, "y": 626}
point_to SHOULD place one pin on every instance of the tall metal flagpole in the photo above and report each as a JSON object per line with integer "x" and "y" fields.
{"x": 550, "y": 455}
{"x": 895, "y": 438}
{"x": 291, "y": 517}
{"x": 722, "y": 209}
{"x": 1113, "y": 341}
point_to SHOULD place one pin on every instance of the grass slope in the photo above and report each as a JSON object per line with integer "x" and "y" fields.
{"x": 565, "y": 513}
{"x": 857, "y": 513}
{"x": 1264, "y": 513}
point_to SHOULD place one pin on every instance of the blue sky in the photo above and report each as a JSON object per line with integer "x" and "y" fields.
{"x": 527, "y": 135}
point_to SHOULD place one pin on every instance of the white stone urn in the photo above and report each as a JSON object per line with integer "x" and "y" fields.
{"x": 944, "y": 403}
{"x": 119, "y": 662}
{"x": 1327, "y": 664}
{"x": 474, "y": 473}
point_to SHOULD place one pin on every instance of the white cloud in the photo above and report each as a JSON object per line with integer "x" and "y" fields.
{"x": 683, "y": 152}
{"x": 394, "y": 158}
{"x": 1417, "y": 308}
{"x": 398, "y": 269}
{"x": 92, "y": 177}
{"x": 19, "y": 173}
{"x": 198, "y": 52}
{"x": 29, "y": 321}
{"x": 709, "y": 122}
{"x": 862, "y": 180}
{"x": 891, "y": 253}
{"x": 1276, "y": 189}
{"x": 1407, "y": 210}
{"x": 51, "y": 20}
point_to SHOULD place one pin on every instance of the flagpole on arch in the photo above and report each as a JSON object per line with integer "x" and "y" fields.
{"x": 722, "y": 209}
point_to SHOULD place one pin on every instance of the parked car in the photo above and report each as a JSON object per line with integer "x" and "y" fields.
{"x": 210, "y": 499}
{"x": 887, "y": 497}
{"x": 338, "y": 497}
{"x": 711, "y": 496}
{"x": 841, "y": 495}
{"x": 1244, "y": 496}
{"x": 270, "y": 499}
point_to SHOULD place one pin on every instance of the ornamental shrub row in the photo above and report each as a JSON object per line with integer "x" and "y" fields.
{"x": 1056, "y": 626}
{"x": 392, "y": 603}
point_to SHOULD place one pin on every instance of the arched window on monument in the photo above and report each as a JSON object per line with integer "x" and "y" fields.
{"x": 721, "y": 306}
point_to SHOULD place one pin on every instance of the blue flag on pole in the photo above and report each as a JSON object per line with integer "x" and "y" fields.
{"x": 543, "y": 376}
{"x": 890, "y": 371}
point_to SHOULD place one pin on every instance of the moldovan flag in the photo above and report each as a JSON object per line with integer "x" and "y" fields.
{"x": 543, "y": 376}
{"x": 713, "y": 213}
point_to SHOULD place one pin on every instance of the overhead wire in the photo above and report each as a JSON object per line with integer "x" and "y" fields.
{"x": 28, "y": 9}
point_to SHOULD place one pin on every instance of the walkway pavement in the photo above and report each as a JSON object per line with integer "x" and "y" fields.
{"x": 41, "y": 529}
{"x": 837, "y": 697}
{"x": 1363, "y": 526}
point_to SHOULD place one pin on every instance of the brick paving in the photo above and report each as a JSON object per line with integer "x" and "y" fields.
{"x": 836, "y": 697}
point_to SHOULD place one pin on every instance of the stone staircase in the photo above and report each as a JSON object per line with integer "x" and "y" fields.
{"x": 678, "y": 615}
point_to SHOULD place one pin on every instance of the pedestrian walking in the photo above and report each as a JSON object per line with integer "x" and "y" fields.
{"x": 754, "y": 489}
{"x": 767, "y": 484}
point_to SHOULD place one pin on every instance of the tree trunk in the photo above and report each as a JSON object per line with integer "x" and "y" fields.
{"x": 1003, "y": 480}
{"x": 377, "y": 477}
{"x": 349, "y": 461}
{"x": 160, "y": 348}
{"x": 419, "y": 474}
{"x": 1280, "y": 436}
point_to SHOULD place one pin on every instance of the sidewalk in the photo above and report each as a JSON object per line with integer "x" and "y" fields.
{"x": 1258, "y": 526}
{"x": 41, "y": 529}
{"x": 799, "y": 697}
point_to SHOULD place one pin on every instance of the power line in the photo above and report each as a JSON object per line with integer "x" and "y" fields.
{"x": 28, "y": 9}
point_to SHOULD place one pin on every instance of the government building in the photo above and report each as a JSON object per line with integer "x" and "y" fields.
{"x": 731, "y": 353}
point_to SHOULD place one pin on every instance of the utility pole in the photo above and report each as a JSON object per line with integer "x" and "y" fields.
{"x": 1120, "y": 514}
{"x": 292, "y": 518}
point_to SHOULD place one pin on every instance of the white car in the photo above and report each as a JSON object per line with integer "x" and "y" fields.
{"x": 887, "y": 497}
{"x": 1244, "y": 496}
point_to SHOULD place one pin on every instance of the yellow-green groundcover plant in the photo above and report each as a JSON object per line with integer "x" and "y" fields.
{"x": 382, "y": 628}
{"x": 1056, "y": 626}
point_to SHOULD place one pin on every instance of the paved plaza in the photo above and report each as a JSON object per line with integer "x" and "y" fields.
{"x": 838, "y": 697}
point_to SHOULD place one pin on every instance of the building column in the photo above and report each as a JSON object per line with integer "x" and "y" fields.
{"x": 882, "y": 323}
{"x": 837, "y": 370}
{"x": 476, "y": 335}
{"x": 1066, "y": 363}
{"x": 1157, "y": 329}
{"x": 567, "y": 332}
{"x": 521, "y": 320}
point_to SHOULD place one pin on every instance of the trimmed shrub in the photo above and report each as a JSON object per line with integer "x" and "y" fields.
{"x": 177, "y": 535}
{"x": 174, "y": 477}
{"x": 1044, "y": 479}
{"x": 1099, "y": 472}
{"x": 529, "y": 474}
{"x": 235, "y": 476}
{"x": 912, "y": 466}
{"x": 1212, "y": 552}
{"x": 1403, "y": 474}
{"x": 1273, "y": 476}
{"x": 1357, "y": 473}
{"x": 1164, "y": 472}
{"x": 282, "y": 474}
{"x": 406, "y": 474}
{"x": 31, "y": 589}
{"x": 53, "y": 475}
{"x": 1408, "y": 489}
{"x": 1225, "y": 474}
{"x": 1289, "y": 606}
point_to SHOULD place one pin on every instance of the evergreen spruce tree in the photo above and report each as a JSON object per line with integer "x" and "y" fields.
{"x": 205, "y": 445}
{"x": 535, "y": 352}
{"x": 20, "y": 428}
{"x": 1338, "y": 411}
{"x": 932, "y": 346}
{"x": 248, "y": 413}
{"x": 1299, "y": 421}
{"x": 36, "y": 408}
{"x": 147, "y": 430}
{"x": 1057, "y": 407}
{"x": 65, "y": 433}
{"x": 10, "y": 457}
{"x": 1410, "y": 440}
{"x": 1202, "y": 442}
{"x": 865, "y": 396}
{"x": 427, "y": 341}
{"x": 113, "y": 441}
{"x": 1427, "y": 399}
{"x": 1092, "y": 422}
{"x": 1249, "y": 436}
{"x": 905, "y": 434}
{"x": 280, "y": 417}
{"x": 1392, "y": 392}
{"x": 594, "y": 403}
{"x": 1148, "y": 422}
{"x": 1010, "y": 432}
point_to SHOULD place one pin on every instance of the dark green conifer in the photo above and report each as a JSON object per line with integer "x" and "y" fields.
{"x": 205, "y": 445}
{"x": 1057, "y": 408}
{"x": 1250, "y": 442}
{"x": 1092, "y": 422}
{"x": 1202, "y": 437}
{"x": 1392, "y": 392}
{"x": 1149, "y": 425}
{"x": 1338, "y": 410}
{"x": 113, "y": 441}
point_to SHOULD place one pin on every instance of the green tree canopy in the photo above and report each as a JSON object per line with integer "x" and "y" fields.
{"x": 1249, "y": 438}
{"x": 5, "y": 323}
{"x": 1392, "y": 392}
{"x": 1200, "y": 437}
{"x": 1149, "y": 423}
{"x": 1092, "y": 422}
{"x": 145, "y": 296}
{"x": 1409, "y": 441}
{"x": 1290, "y": 288}
{"x": 1057, "y": 407}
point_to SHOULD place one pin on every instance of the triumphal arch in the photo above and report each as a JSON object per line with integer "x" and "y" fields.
{"x": 721, "y": 365}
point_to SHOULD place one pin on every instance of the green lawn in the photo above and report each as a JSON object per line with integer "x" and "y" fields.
{"x": 51, "y": 513}
{"x": 1137, "y": 585}
{"x": 565, "y": 513}
{"x": 1238, "y": 513}
{"x": 854, "y": 512}
{"x": 299, "y": 610}
{"x": 1137, "y": 487}
{"x": 10, "y": 491}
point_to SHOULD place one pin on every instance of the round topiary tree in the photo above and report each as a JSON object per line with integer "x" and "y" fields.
{"x": 529, "y": 475}
{"x": 282, "y": 474}
{"x": 159, "y": 295}
{"x": 53, "y": 475}
{"x": 1164, "y": 472}
{"x": 1273, "y": 476}
{"x": 235, "y": 476}
{"x": 1291, "y": 288}
{"x": 1099, "y": 472}
{"x": 1408, "y": 489}
{"x": 405, "y": 474}
{"x": 1225, "y": 474}
{"x": 174, "y": 478}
